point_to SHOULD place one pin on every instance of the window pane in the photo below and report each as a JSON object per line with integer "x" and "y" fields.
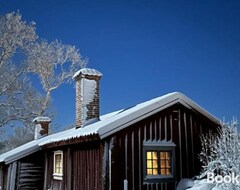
{"x": 58, "y": 157}
{"x": 149, "y": 171}
{"x": 154, "y": 154}
{"x": 168, "y": 172}
{"x": 155, "y": 172}
{"x": 168, "y": 156}
{"x": 149, "y": 155}
{"x": 163, "y": 164}
{"x": 149, "y": 164}
{"x": 162, "y": 155}
{"x": 57, "y": 163}
{"x": 163, "y": 171}
{"x": 168, "y": 164}
{"x": 155, "y": 164}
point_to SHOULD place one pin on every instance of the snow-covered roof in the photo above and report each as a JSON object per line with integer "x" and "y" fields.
{"x": 111, "y": 123}
{"x": 119, "y": 120}
{"x": 87, "y": 71}
{"x": 41, "y": 119}
{"x": 22, "y": 151}
{"x": 35, "y": 145}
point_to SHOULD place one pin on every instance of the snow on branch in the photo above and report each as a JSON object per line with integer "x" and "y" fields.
{"x": 220, "y": 152}
{"x": 54, "y": 63}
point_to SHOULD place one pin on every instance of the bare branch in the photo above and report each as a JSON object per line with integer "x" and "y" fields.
{"x": 22, "y": 57}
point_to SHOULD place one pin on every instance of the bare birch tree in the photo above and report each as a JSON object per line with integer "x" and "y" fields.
{"x": 22, "y": 55}
{"x": 15, "y": 35}
{"x": 54, "y": 64}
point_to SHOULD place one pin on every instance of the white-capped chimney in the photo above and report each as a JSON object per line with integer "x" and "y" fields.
{"x": 87, "y": 96}
{"x": 41, "y": 127}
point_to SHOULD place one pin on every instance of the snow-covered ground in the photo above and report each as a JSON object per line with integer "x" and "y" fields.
{"x": 203, "y": 185}
{"x": 188, "y": 184}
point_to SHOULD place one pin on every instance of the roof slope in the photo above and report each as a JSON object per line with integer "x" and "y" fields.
{"x": 25, "y": 150}
{"x": 110, "y": 123}
{"x": 116, "y": 121}
{"x": 146, "y": 109}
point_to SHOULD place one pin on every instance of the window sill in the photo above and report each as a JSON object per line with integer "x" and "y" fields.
{"x": 58, "y": 176}
{"x": 158, "y": 178}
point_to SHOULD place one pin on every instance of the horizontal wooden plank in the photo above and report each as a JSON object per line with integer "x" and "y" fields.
{"x": 29, "y": 168}
{"x": 30, "y": 180}
{"x": 31, "y": 175}
{"x": 31, "y": 171}
{"x": 27, "y": 164}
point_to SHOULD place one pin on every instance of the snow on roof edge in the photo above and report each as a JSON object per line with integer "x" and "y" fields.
{"x": 34, "y": 145}
{"x": 151, "y": 107}
{"x": 11, "y": 155}
{"x": 123, "y": 118}
{"x": 139, "y": 112}
{"x": 110, "y": 123}
{"x": 25, "y": 149}
{"x": 199, "y": 108}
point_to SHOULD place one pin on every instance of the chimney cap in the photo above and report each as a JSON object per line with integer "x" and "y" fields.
{"x": 42, "y": 119}
{"x": 87, "y": 71}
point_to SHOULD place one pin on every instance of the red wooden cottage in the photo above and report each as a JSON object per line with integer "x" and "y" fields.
{"x": 149, "y": 146}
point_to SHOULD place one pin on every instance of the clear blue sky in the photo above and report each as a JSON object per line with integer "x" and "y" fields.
{"x": 146, "y": 48}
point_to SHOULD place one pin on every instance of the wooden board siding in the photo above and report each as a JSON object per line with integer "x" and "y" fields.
{"x": 24, "y": 174}
{"x": 30, "y": 172}
{"x": 88, "y": 157}
{"x": 82, "y": 167}
{"x": 177, "y": 124}
{"x": 30, "y": 176}
{"x": 3, "y": 177}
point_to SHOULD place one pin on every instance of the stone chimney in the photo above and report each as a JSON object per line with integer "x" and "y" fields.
{"x": 41, "y": 127}
{"x": 87, "y": 96}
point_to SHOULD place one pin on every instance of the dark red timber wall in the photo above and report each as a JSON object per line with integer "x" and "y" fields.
{"x": 177, "y": 124}
{"x": 82, "y": 167}
{"x": 26, "y": 173}
{"x": 105, "y": 164}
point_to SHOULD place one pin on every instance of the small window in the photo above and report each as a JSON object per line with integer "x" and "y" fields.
{"x": 58, "y": 165}
{"x": 159, "y": 161}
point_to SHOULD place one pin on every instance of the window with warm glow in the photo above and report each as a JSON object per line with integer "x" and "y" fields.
{"x": 165, "y": 163}
{"x": 158, "y": 161}
{"x": 58, "y": 165}
{"x": 152, "y": 163}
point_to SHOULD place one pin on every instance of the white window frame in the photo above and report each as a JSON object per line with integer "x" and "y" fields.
{"x": 58, "y": 176}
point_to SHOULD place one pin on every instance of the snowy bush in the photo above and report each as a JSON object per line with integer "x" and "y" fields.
{"x": 221, "y": 153}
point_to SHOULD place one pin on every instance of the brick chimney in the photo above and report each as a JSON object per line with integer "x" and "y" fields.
{"x": 87, "y": 96}
{"x": 41, "y": 127}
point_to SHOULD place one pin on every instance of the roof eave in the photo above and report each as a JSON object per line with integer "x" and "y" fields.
{"x": 151, "y": 110}
{"x": 71, "y": 141}
{"x": 13, "y": 158}
{"x": 194, "y": 106}
{"x": 133, "y": 118}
